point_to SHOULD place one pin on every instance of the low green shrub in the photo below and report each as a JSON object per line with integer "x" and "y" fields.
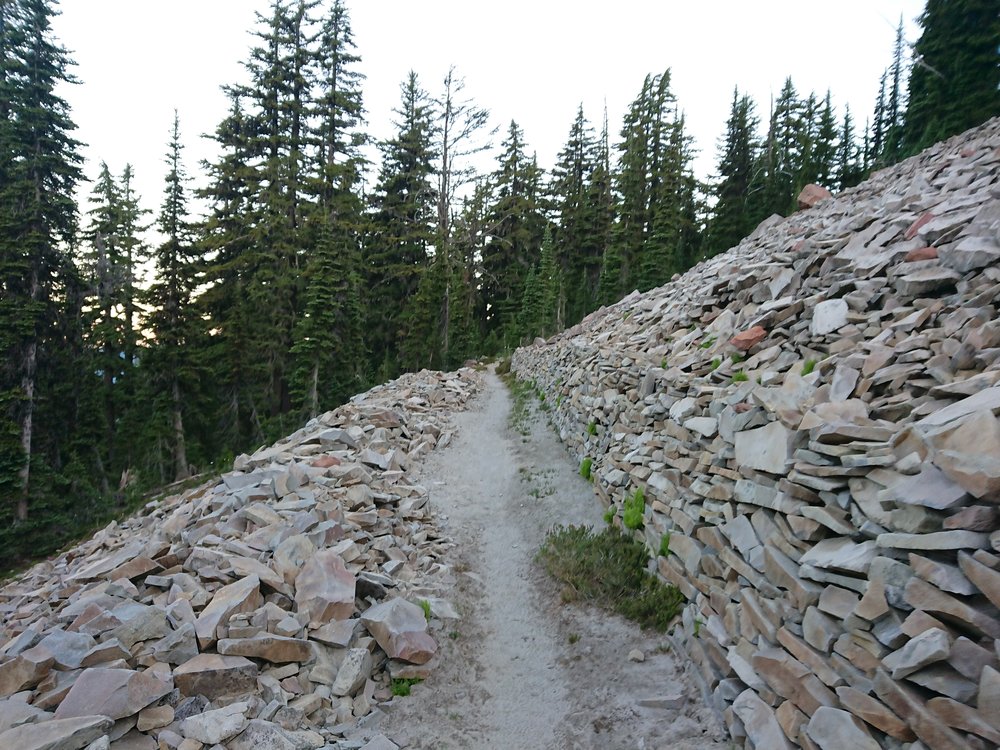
{"x": 585, "y": 468}
{"x": 608, "y": 568}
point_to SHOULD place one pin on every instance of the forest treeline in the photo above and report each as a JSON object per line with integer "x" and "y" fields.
{"x": 313, "y": 273}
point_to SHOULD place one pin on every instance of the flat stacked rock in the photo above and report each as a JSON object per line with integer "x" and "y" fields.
{"x": 812, "y": 417}
{"x": 268, "y": 609}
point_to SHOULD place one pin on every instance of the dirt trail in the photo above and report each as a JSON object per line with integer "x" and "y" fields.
{"x": 520, "y": 670}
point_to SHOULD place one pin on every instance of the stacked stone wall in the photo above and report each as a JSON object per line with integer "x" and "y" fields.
{"x": 812, "y": 419}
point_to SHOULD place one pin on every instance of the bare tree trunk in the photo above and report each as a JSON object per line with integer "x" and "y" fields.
{"x": 181, "y": 470}
{"x": 28, "y": 386}
{"x": 314, "y": 391}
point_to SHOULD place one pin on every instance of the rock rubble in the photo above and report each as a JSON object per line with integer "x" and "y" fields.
{"x": 268, "y": 609}
{"x": 813, "y": 420}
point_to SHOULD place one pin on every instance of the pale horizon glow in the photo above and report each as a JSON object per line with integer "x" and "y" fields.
{"x": 533, "y": 62}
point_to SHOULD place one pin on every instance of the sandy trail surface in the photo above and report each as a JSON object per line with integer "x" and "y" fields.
{"x": 519, "y": 669}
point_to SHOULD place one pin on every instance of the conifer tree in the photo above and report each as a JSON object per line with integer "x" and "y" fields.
{"x": 955, "y": 77}
{"x": 39, "y": 168}
{"x": 515, "y": 235}
{"x": 581, "y": 209}
{"x": 403, "y": 229}
{"x": 463, "y": 131}
{"x": 172, "y": 364}
{"x": 848, "y": 167}
{"x": 731, "y": 219}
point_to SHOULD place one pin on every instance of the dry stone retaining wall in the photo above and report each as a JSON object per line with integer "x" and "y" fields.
{"x": 812, "y": 418}
{"x": 267, "y": 609}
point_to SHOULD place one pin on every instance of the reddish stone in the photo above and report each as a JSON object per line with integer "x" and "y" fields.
{"x": 812, "y": 194}
{"x": 966, "y": 152}
{"x": 742, "y": 407}
{"x": 325, "y": 462}
{"x": 921, "y": 253}
{"x": 912, "y": 230}
{"x": 746, "y": 340}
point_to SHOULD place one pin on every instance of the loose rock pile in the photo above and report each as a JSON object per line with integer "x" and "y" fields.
{"x": 267, "y": 611}
{"x": 812, "y": 417}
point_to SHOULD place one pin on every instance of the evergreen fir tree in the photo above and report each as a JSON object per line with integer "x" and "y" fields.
{"x": 39, "y": 168}
{"x": 172, "y": 365}
{"x": 402, "y": 233}
{"x": 515, "y": 235}
{"x": 848, "y": 167}
{"x": 955, "y": 76}
{"x": 731, "y": 219}
{"x": 463, "y": 131}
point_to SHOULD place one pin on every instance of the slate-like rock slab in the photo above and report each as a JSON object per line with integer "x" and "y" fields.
{"x": 400, "y": 628}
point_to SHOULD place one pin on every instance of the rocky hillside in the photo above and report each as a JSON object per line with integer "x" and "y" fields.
{"x": 267, "y": 611}
{"x": 809, "y": 423}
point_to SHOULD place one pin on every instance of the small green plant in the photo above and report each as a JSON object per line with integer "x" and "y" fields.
{"x": 663, "y": 363}
{"x": 716, "y": 363}
{"x": 559, "y": 400}
{"x": 736, "y": 358}
{"x": 632, "y": 513}
{"x": 608, "y": 568}
{"x": 573, "y": 637}
{"x": 665, "y": 545}
{"x": 808, "y": 367}
{"x": 426, "y": 607}
{"x": 609, "y": 515}
{"x": 503, "y": 366}
{"x": 707, "y": 343}
{"x": 697, "y": 626}
{"x": 585, "y": 468}
{"x": 592, "y": 427}
{"x": 454, "y": 634}
{"x": 740, "y": 377}
{"x": 760, "y": 380}
{"x": 401, "y": 685}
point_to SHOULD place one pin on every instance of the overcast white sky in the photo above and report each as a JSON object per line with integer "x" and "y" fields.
{"x": 529, "y": 60}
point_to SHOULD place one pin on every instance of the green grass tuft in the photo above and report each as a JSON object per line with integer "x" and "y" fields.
{"x": 716, "y": 363}
{"x": 740, "y": 377}
{"x": 609, "y": 514}
{"x": 808, "y": 367}
{"x": 665, "y": 545}
{"x": 632, "y": 513}
{"x": 426, "y": 607}
{"x": 707, "y": 343}
{"x": 585, "y": 468}
{"x": 608, "y": 568}
{"x": 401, "y": 685}
{"x": 592, "y": 427}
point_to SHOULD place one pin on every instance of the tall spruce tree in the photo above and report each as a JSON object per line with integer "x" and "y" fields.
{"x": 403, "y": 230}
{"x": 849, "y": 170}
{"x": 39, "y": 168}
{"x": 731, "y": 220}
{"x": 515, "y": 235}
{"x": 581, "y": 209}
{"x": 955, "y": 76}
{"x": 172, "y": 363}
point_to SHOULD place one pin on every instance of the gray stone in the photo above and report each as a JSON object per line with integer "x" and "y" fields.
{"x": 828, "y": 316}
{"x": 117, "y": 693}
{"x": 57, "y": 734}
{"x": 767, "y": 448}
{"x": 930, "y": 646}
{"x": 759, "y": 721}
{"x": 214, "y": 727}
{"x": 834, "y": 729}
